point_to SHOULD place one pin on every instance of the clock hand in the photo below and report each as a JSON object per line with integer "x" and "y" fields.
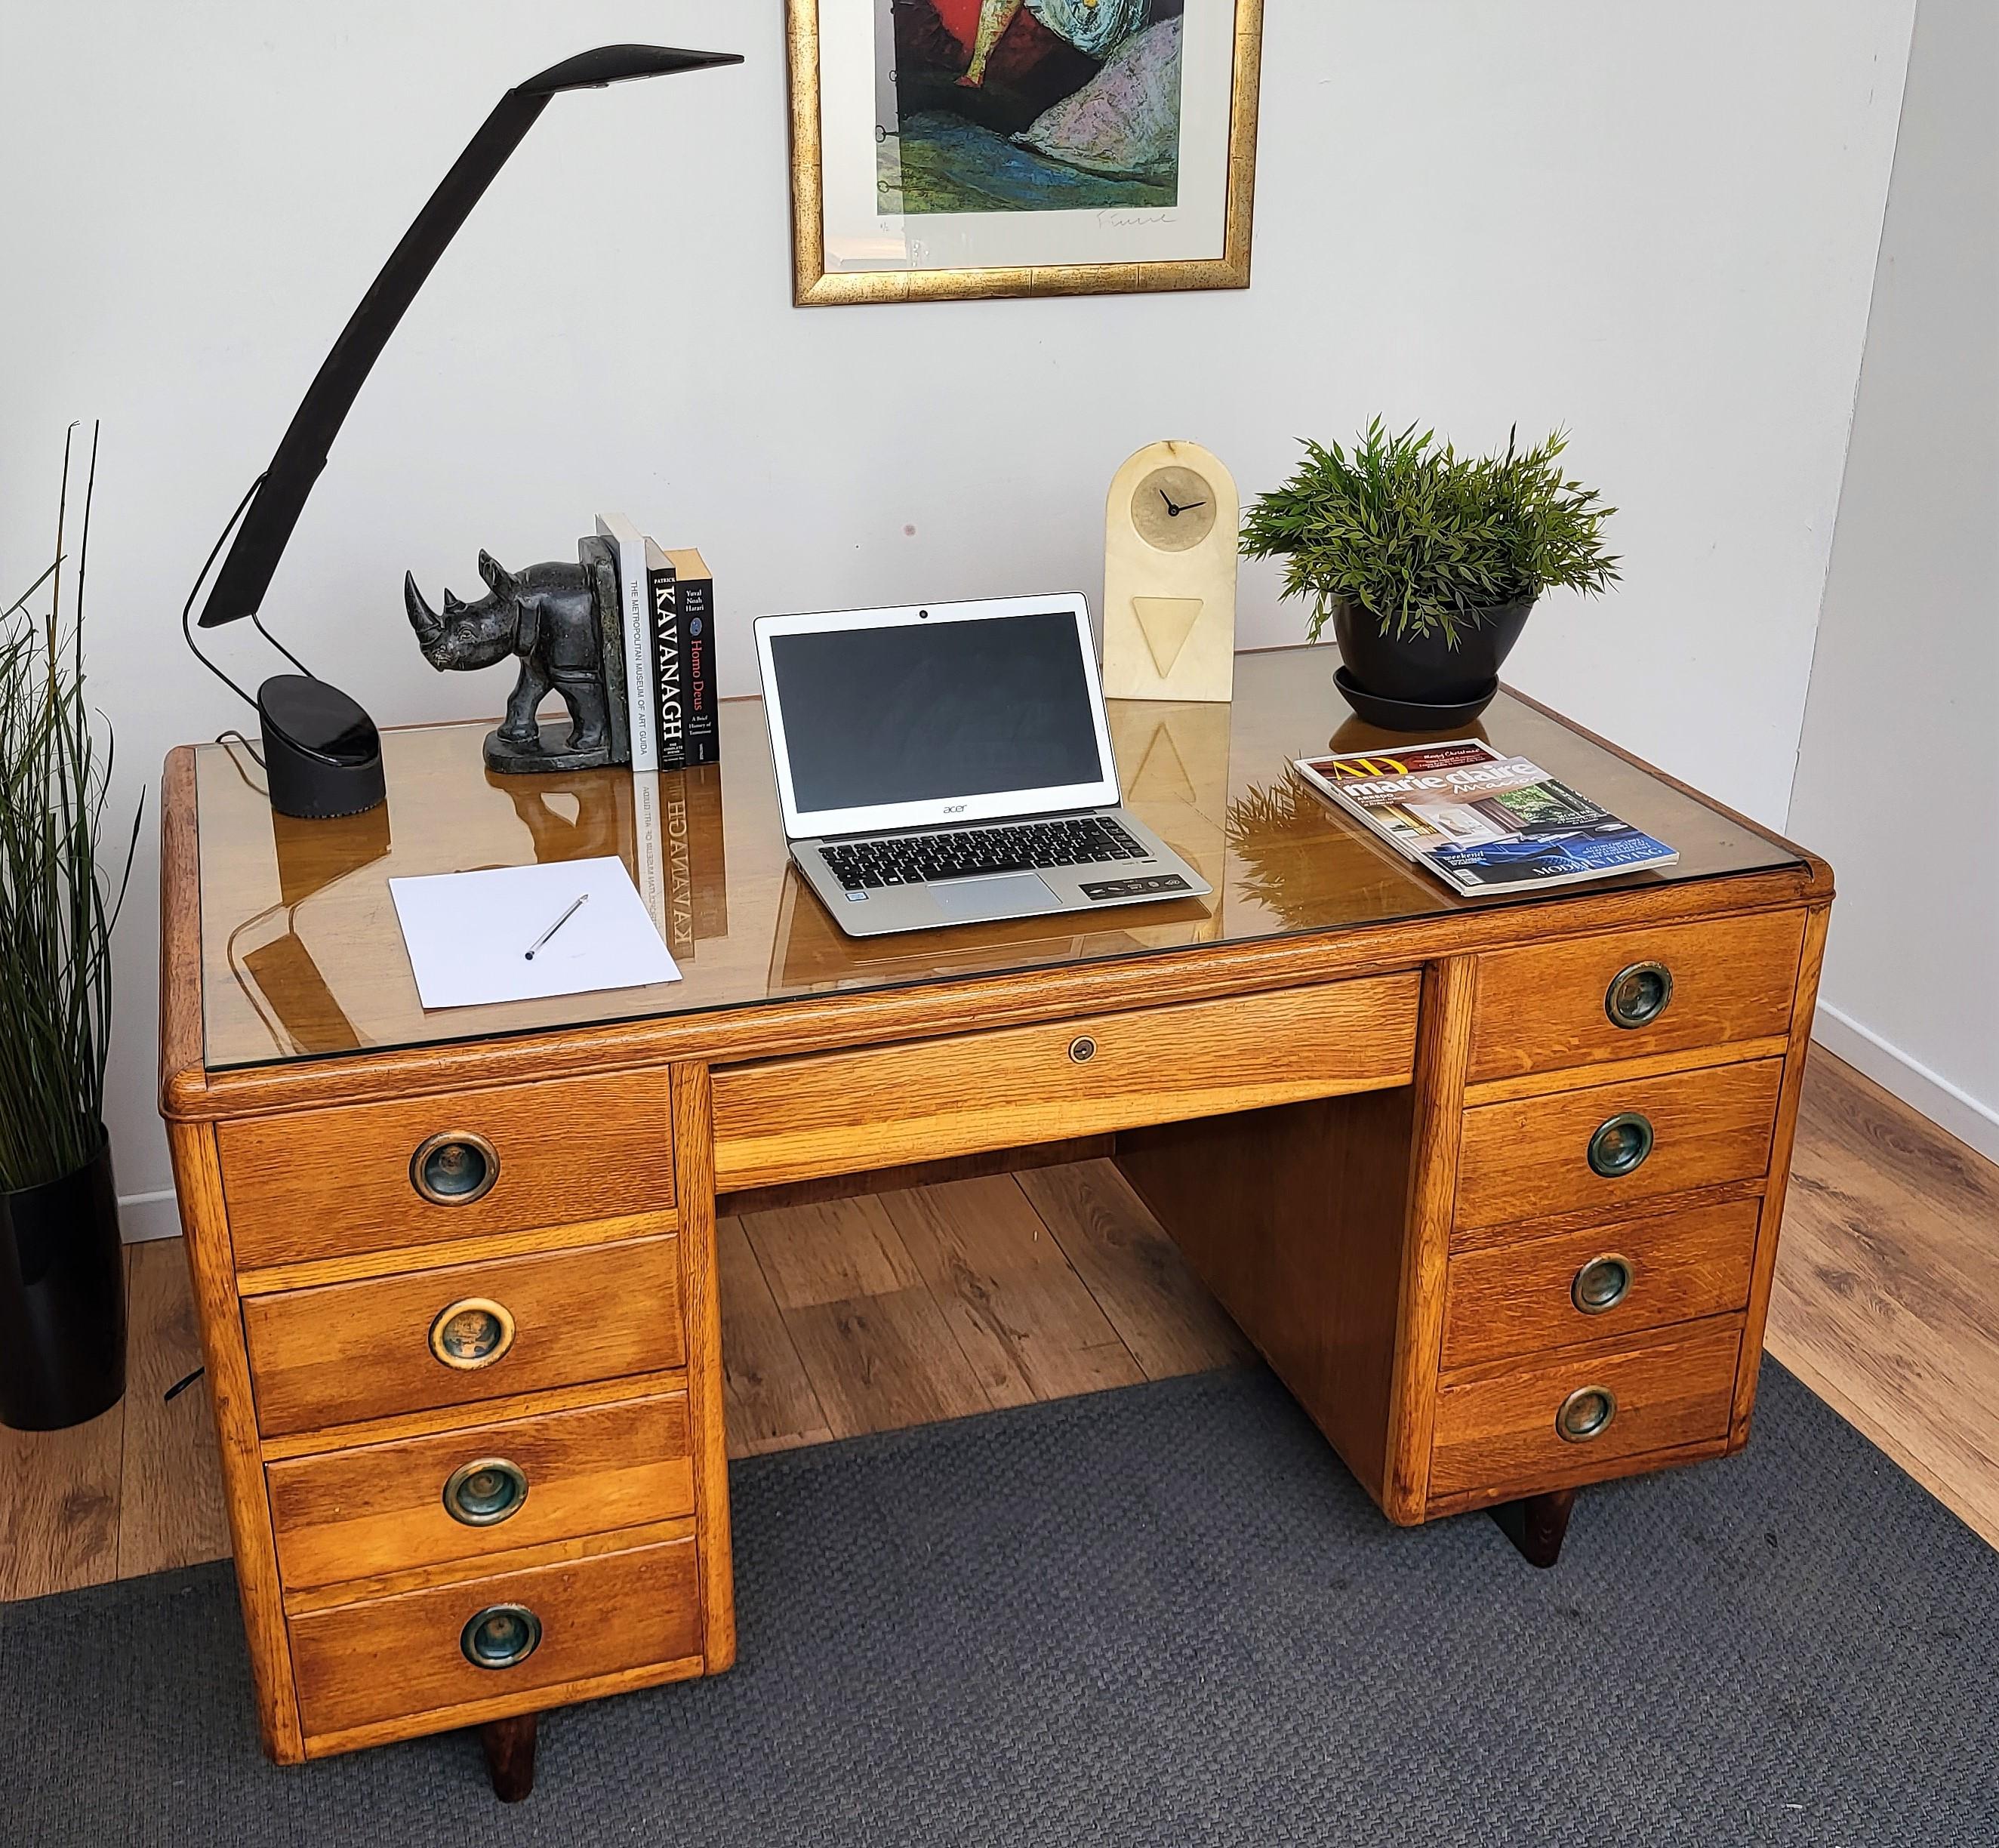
{"x": 1191, "y": 506}
{"x": 1173, "y": 510}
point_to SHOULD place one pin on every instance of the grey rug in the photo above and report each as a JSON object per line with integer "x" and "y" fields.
{"x": 1163, "y": 1615}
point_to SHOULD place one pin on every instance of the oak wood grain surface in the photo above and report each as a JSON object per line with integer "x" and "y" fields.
{"x": 1518, "y": 1298}
{"x": 1763, "y": 1274}
{"x": 1886, "y": 1296}
{"x": 170, "y": 1507}
{"x": 1293, "y": 1217}
{"x": 316, "y": 1185}
{"x": 827, "y": 1112}
{"x": 437, "y": 1419}
{"x": 768, "y": 1396}
{"x": 1885, "y": 1286}
{"x": 212, "y": 1277}
{"x": 354, "y": 1350}
{"x": 1529, "y": 1159}
{"x": 1436, "y": 1158}
{"x": 380, "y": 1508}
{"x": 392, "y": 1658}
{"x": 1024, "y": 1320}
{"x": 1495, "y": 1429}
{"x": 1542, "y": 1007}
{"x": 1138, "y": 1275}
{"x": 700, "y": 1292}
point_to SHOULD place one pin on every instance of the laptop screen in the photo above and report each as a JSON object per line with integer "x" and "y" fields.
{"x": 932, "y": 711}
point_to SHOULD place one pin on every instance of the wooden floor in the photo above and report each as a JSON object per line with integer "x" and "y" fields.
{"x": 865, "y": 1315}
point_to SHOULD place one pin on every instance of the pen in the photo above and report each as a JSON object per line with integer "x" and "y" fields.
{"x": 541, "y": 940}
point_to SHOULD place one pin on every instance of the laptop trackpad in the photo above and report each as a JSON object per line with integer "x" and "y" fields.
{"x": 1005, "y": 895}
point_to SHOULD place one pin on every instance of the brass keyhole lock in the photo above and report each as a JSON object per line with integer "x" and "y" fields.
{"x": 1082, "y": 1050}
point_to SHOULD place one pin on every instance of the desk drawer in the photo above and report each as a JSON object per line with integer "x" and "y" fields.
{"x": 325, "y": 1182}
{"x": 347, "y": 1351}
{"x": 391, "y": 1507}
{"x": 1538, "y": 1156}
{"x": 1501, "y": 1433}
{"x": 1555, "y": 1005}
{"x": 360, "y": 1665}
{"x": 1517, "y": 1299}
{"x": 837, "y": 1113}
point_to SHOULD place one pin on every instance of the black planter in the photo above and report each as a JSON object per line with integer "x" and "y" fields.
{"x": 62, "y": 1299}
{"x": 1429, "y": 671}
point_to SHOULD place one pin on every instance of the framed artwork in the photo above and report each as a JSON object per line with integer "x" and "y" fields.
{"x": 955, "y": 149}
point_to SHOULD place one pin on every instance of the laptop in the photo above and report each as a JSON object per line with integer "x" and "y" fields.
{"x": 952, "y": 764}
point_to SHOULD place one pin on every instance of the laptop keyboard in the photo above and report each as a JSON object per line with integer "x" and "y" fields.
{"x": 920, "y": 859}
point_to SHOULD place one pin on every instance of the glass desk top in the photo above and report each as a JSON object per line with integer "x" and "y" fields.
{"x": 302, "y": 957}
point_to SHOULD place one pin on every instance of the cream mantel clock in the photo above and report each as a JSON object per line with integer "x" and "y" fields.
{"x": 1170, "y": 577}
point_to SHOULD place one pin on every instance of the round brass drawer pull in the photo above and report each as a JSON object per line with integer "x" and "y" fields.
{"x": 483, "y": 1494}
{"x": 1585, "y": 1413}
{"x": 500, "y": 1636}
{"x": 1602, "y": 1283}
{"x": 1637, "y": 996}
{"x": 472, "y": 1332}
{"x": 454, "y": 1168}
{"x": 1621, "y": 1145}
{"x": 1082, "y": 1050}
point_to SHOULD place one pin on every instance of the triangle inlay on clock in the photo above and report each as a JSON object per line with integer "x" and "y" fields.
{"x": 1165, "y": 623}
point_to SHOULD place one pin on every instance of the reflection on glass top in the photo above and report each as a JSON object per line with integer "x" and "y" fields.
{"x": 302, "y": 957}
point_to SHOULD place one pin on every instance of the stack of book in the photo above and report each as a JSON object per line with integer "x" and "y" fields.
{"x": 664, "y": 653}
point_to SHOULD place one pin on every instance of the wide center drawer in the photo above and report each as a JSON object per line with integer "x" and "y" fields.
{"x": 345, "y": 1352}
{"x": 384, "y": 1508}
{"x": 840, "y": 1113}
{"x": 1613, "y": 1145}
{"x": 390, "y": 1658}
{"x": 416, "y": 1170}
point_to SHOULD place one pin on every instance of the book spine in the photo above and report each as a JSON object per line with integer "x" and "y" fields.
{"x": 669, "y": 666}
{"x": 697, "y": 611}
{"x": 631, "y": 598}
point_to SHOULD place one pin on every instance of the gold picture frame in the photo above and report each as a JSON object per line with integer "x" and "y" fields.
{"x": 815, "y": 286}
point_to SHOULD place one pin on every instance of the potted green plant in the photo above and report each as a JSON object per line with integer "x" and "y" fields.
{"x": 1428, "y": 563}
{"x": 62, "y": 1272}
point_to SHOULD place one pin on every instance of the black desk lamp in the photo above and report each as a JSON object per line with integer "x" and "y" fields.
{"x": 322, "y": 754}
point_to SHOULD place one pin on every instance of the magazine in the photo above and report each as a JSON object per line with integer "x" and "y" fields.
{"x": 1482, "y": 821}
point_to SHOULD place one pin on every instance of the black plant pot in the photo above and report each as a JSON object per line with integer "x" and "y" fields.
{"x": 1427, "y": 670}
{"x": 62, "y": 1299}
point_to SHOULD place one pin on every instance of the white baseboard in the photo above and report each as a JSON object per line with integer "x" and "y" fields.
{"x": 1952, "y": 1109}
{"x": 143, "y": 1216}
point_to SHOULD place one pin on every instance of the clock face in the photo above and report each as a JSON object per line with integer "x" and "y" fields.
{"x": 1173, "y": 509}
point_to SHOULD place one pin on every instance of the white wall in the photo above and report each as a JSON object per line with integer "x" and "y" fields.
{"x": 1655, "y": 224}
{"x": 1898, "y": 781}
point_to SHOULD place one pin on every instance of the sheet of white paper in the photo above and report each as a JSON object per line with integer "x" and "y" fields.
{"x": 468, "y": 934}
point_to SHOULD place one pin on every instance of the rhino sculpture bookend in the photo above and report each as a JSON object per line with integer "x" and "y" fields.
{"x": 561, "y": 622}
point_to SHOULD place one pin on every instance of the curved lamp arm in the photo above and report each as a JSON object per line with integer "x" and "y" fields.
{"x": 260, "y": 542}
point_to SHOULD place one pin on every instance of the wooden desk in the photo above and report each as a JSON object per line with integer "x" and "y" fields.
{"x": 1362, "y": 1106}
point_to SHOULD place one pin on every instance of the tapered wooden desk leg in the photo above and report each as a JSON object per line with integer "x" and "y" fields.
{"x": 1537, "y": 1524}
{"x": 509, "y": 1755}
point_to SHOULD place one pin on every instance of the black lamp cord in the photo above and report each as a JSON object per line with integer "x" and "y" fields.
{"x": 256, "y": 621}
